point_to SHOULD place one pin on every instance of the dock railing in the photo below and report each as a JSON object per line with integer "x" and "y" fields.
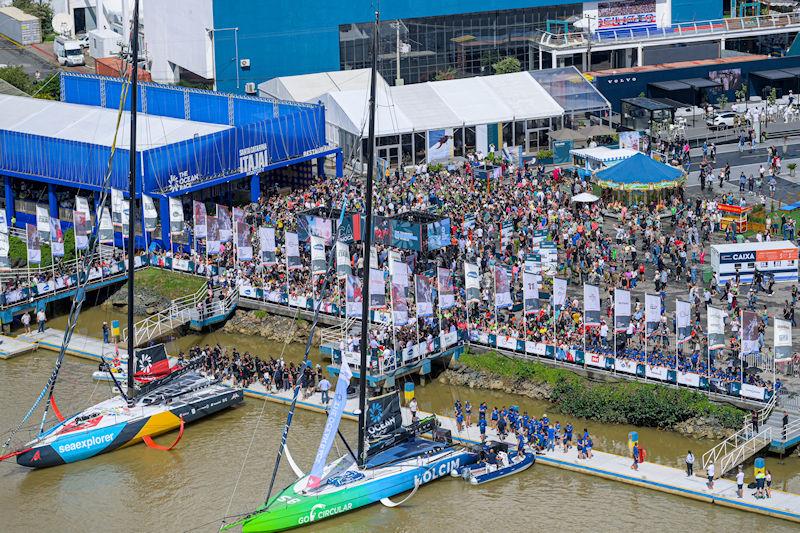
{"x": 736, "y": 449}
{"x": 179, "y": 312}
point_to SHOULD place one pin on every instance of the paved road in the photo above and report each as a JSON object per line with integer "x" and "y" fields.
{"x": 11, "y": 55}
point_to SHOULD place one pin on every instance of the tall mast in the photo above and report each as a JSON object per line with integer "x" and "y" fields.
{"x": 132, "y": 194}
{"x": 362, "y": 390}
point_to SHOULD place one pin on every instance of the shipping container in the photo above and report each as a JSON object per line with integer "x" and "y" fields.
{"x": 19, "y": 26}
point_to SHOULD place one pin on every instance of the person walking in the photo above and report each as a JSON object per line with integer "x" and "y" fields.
{"x": 635, "y": 453}
{"x": 740, "y": 482}
{"x": 324, "y": 388}
{"x": 785, "y": 422}
{"x": 26, "y": 321}
{"x": 106, "y": 333}
{"x": 710, "y": 471}
{"x": 41, "y": 319}
{"x": 754, "y": 421}
{"x": 412, "y": 406}
{"x": 689, "y": 464}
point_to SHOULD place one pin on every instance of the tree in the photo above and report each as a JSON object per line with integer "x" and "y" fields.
{"x": 507, "y": 65}
{"x": 447, "y": 74}
{"x": 17, "y": 77}
{"x": 41, "y": 10}
{"x": 722, "y": 101}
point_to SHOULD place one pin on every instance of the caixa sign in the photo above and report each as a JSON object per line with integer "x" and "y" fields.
{"x": 253, "y": 159}
{"x": 737, "y": 257}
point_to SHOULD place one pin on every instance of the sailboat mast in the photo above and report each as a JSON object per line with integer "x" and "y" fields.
{"x": 362, "y": 390}
{"x": 132, "y": 193}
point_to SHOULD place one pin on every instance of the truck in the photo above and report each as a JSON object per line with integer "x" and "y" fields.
{"x": 68, "y": 51}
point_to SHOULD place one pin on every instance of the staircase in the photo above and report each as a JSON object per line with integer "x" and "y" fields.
{"x": 781, "y": 443}
{"x": 214, "y": 312}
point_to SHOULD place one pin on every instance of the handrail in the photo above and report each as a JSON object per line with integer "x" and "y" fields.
{"x": 178, "y": 312}
{"x": 792, "y": 431}
{"x": 735, "y": 449}
{"x": 765, "y": 412}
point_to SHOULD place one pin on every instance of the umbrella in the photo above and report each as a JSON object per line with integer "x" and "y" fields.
{"x": 596, "y": 131}
{"x": 584, "y": 198}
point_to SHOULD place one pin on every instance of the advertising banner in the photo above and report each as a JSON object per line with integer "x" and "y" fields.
{"x": 318, "y": 262}
{"x": 343, "y": 267}
{"x": 175, "y": 216}
{"x": 116, "y": 207}
{"x": 438, "y": 234}
{"x": 199, "y": 221}
{"x": 444, "y": 281}
{"x": 595, "y": 359}
{"x": 783, "y": 340}
{"x": 151, "y": 215}
{"x": 354, "y": 296}
{"x": 683, "y": 321}
{"x": 652, "y": 313}
{"x": 399, "y": 302}
{"x": 622, "y": 310}
{"x": 3, "y": 221}
{"x": 629, "y": 140}
{"x": 81, "y": 229}
{"x": 5, "y": 262}
{"x": 214, "y": 239}
{"x": 126, "y": 209}
{"x": 381, "y": 230}
{"x": 689, "y": 378}
{"x": 591, "y": 305}
{"x": 266, "y": 244}
{"x": 559, "y": 293}
{"x": 716, "y": 328}
{"x": 34, "y": 243}
{"x": 530, "y": 292}
{"x": 440, "y": 145}
{"x": 106, "y": 229}
{"x": 502, "y": 287}
{"x": 315, "y": 226}
{"x": 656, "y": 372}
{"x": 350, "y": 230}
{"x": 225, "y": 224}
{"x": 244, "y": 248}
{"x": 377, "y": 289}
{"x": 424, "y": 294}
{"x": 238, "y": 215}
{"x": 472, "y": 282}
{"x": 82, "y": 205}
{"x": 749, "y": 332}
{"x": 292, "y": 244}
{"x": 624, "y": 365}
{"x": 752, "y": 391}
{"x": 625, "y": 14}
{"x": 43, "y": 222}
{"x": 405, "y": 235}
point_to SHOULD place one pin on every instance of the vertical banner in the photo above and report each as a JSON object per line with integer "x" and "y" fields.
{"x": 56, "y": 238}
{"x": 424, "y": 294}
{"x": 244, "y": 248}
{"x": 238, "y": 215}
{"x": 225, "y": 225}
{"x": 377, "y": 289}
{"x": 472, "y": 282}
{"x": 530, "y": 292}
{"x": 3, "y": 223}
{"x": 318, "y": 263}
{"x": 5, "y": 261}
{"x": 126, "y": 209}
{"x": 82, "y": 205}
{"x": 80, "y": 223}
{"x": 116, "y": 207}
{"x": 399, "y": 302}
{"x": 502, "y": 287}
{"x": 354, "y": 296}
{"x": 373, "y": 258}
{"x": 214, "y": 240}
{"x": 199, "y": 220}
{"x": 683, "y": 321}
{"x": 292, "y": 244}
{"x": 559, "y": 293}
{"x": 652, "y": 313}
{"x": 150, "y": 213}
{"x": 106, "y": 230}
{"x": 444, "y": 282}
{"x": 591, "y": 305}
{"x": 43, "y": 222}
{"x": 266, "y": 243}
{"x": 783, "y": 340}
{"x": 749, "y": 333}
{"x": 175, "y": 216}
{"x": 716, "y": 328}
{"x": 622, "y": 310}
{"x": 343, "y": 267}
{"x": 34, "y": 243}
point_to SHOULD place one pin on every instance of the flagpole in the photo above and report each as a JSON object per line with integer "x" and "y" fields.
{"x": 741, "y": 346}
{"x": 496, "y": 331}
{"x": 416, "y": 318}
{"x": 676, "y": 342}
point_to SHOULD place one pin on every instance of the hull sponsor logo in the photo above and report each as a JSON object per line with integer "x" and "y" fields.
{"x": 320, "y": 511}
{"x": 87, "y": 443}
{"x": 437, "y": 471}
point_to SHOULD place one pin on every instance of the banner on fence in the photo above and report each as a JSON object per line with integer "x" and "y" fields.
{"x": 752, "y": 391}
{"x": 623, "y": 365}
{"x": 689, "y": 378}
{"x": 656, "y": 372}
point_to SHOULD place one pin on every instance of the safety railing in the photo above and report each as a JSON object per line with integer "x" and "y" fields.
{"x": 179, "y": 312}
{"x": 70, "y": 267}
{"x": 736, "y": 449}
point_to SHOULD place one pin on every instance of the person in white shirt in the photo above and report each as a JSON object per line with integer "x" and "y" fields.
{"x": 689, "y": 464}
{"x": 412, "y": 406}
{"x": 26, "y": 321}
{"x": 710, "y": 471}
{"x": 604, "y": 333}
{"x": 41, "y": 319}
{"x": 740, "y": 482}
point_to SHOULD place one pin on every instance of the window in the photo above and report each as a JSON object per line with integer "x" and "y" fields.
{"x": 519, "y": 133}
{"x": 469, "y": 140}
{"x": 508, "y": 134}
{"x": 408, "y": 150}
{"x": 458, "y": 142}
{"x": 420, "y": 150}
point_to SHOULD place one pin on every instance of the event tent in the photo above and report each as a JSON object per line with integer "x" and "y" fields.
{"x": 311, "y": 87}
{"x": 640, "y": 173}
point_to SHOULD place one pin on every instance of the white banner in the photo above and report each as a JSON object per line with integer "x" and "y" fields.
{"x": 472, "y": 282}
{"x": 716, "y": 328}
{"x": 3, "y": 221}
{"x": 225, "y": 224}
{"x": 116, "y": 206}
{"x": 656, "y": 372}
{"x": 5, "y": 262}
{"x": 377, "y": 288}
{"x": 318, "y": 262}
{"x": 80, "y": 222}
{"x": 106, "y": 226}
{"x": 34, "y": 244}
{"x": 559, "y": 292}
{"x": 530, "y": 292}
{"x": 536, "y": 348}
{"x": 82, "y": 205}
{"x": 343, "y": 267}
{"x": 591, "y": 305}
{"x": 126, "y": 207}
{"x": 783, "y": 340}
{"x": 444, "y": 283}
{"x": 652, "y": 313}
{"x": 151, "y": 215}
{"x": 449, "y": 339}
{"x": 244, "y": 248}
{"x": 751, "y": 391}
{"x": 43, "y": 223}
{"x": 424, "y": 294}
{"x": 689, "y": 378}
{"x": 56, "y": 238}
{"x": 292, "y": 251}
{"x": 266, "y": 240}
{"x": 354, "y": 296}
{"x": 683, "y": 321}
{"x": 175, "y": 216}
{"x": 502, "y": 287}
{"x": 181, "y": 264}
{"x": 504, "y": 341}
{"x": 622, "y": 309}
{"x": 624, "y": 365}
{"x": 594, "y": 359}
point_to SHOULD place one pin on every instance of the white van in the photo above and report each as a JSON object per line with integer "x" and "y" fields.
{"x": 68, "y": 51}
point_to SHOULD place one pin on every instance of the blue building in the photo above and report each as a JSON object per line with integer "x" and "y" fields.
{"x": 254, "y": 41}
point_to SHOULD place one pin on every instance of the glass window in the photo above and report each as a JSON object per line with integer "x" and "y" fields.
{"x": 420, "y": 150}
{"x": 519, "y": 133}
{"x": 469, "y": 140}
{"x": 508, "y": 134}
{"x": 408, "y": 151}
{"x": 458, "y": 142}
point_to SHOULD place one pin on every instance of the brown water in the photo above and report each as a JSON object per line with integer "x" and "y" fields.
{"x": 191, "y": 487}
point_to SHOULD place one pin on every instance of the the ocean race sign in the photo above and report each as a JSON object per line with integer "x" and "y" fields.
{"x": 253, "y": 159}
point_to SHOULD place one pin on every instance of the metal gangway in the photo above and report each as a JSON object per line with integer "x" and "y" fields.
{"x": 742, "y": 445}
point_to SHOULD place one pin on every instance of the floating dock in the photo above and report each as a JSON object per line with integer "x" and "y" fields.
{"x": 81, "y": 346}
{"x": 12, "y": 347}
{"x": 782, "y": 505}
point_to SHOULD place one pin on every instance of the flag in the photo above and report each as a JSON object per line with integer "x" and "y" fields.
{"x": 199, "y": 217}
{"x": 225, "y": 225}
{"x": 424, "y": 294}
{"x": 238, "y": 215}
{"x": 5, "y": 262}
{"x": 783, "y": 340}
{"x": 652, "y": 313}
{"x": 331, "y": 425}
{"x": 591, "y": 305}
{"x": 82, "y": 205}
{"x": 126, "y": 209}
{"x": 373, "y": 258}
{"x": 622, "y": 310}
{"x": 472, "y": 282}
{"x": 116, "y": 207}
{"x": 266, "y": 243}
{"x": 81, "y": 229}
{"x": 292, "y": 244}
{"x": 444, "y": 282}
{"x": 150, "y": 213}
{"x": 559, "y": 293}
{"x": 34, "y": 243}
{"x": 716, "y": 328}
{"x": 106, "y": 230}
{"x": 43, "y": 222}
{"x": 749, "y": 333}
{"x": 318, "y": 263}
{"x": 502, "y": 287}
{"x": 3, "y": 221}
{"x": 530, "y": 292}
{"x": 683, "y": 321}
{"x": 354, "y": 296}
{"x": 56, "y": 238}
{"x": 244, "y": 248}
{"x": 175, "y": 216}
{"x": 399, "y": 302}
{"x": 343, "y": 259}
{"x": 377, "y": 289}
{"x": 214, "y": 240}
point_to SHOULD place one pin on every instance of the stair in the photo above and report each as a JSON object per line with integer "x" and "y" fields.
{"x": 737, "y": 449}
{"x": 781, "y": 443}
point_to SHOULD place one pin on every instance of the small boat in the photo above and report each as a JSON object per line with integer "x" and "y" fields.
{"x": 150, "y": 364}
{"x": 482, "y": 472}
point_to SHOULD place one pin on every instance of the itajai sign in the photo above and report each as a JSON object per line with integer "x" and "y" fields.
{"x": 253, "y": 159}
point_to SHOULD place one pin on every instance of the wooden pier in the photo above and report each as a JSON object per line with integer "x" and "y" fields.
{"x": 12, "y": 347}
{"x": 80, "y": 345}
{"x": 662, "y": 478}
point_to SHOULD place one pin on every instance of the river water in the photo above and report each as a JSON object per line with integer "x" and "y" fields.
{"x": 222, "y": 467}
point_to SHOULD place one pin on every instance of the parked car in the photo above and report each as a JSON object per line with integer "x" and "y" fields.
{"x": 83, "y": 40}
{"x": 722, "y": 121}
{"x": 689, "y": 111}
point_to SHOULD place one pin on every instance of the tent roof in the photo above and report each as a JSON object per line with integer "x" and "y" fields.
{"x": 639, "y": 169}
{"x": 670, "y": 85}
{"x": 774, "y": 75}
{"x": 443, "y": 104}
{"x": 95, "y": 125}
{"x": 701, "y": 83}
{"x": 311, "y": 87}
{"x": 604, "y": 154}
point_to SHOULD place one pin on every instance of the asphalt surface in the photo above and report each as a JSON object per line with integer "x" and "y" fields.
{"x": 11, "y": 55}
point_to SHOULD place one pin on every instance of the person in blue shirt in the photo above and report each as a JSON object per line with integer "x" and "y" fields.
{"x": 635, "y": 453}
{"x": 520, "y": 441}
{"x": 580, "y": 448}
{"x": 567, "y": 437}
{"x": 551, "y": 438}
{"x": 545, "y": 420}
{"x": 482, "y": 410}
{"x": 495, "y": 416}
{"x": 459, "y": 421}
{"x": 482, "y": 427}
{"x": 468, "y": 413}
{"x": 501, "y": 427}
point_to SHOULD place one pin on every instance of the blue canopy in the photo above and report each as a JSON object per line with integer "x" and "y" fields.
{"x": 640, "y": 172}
{"x": 791, "y": 207}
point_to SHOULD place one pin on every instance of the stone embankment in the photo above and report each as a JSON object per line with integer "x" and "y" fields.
{"x": 272, "y": 327}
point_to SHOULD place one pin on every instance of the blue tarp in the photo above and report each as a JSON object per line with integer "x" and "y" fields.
{"x": 639, "y": 169}
{"x": 791, "y": 207}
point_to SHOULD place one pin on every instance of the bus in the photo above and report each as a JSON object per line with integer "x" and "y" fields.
{"x": 777, "y": 258}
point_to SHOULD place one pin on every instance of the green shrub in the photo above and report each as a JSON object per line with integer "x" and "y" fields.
{"x": 640, "y": 404}
{"x": 544, "y": 154}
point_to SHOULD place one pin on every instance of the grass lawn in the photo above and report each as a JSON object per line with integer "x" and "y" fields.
{"x": 171, "y": 285}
